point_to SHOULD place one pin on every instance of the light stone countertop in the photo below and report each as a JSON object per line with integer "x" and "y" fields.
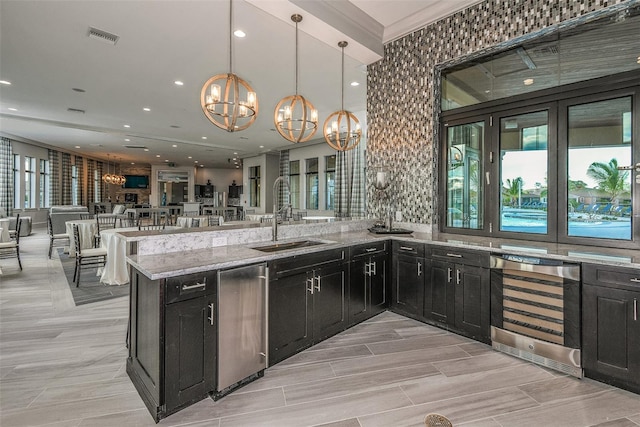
{"x": 172, "y": 264}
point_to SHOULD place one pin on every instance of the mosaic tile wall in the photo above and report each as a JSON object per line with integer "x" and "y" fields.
{"x": 401, "y": 97}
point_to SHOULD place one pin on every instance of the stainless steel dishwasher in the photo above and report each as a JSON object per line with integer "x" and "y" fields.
{"x": 242, "y": 326}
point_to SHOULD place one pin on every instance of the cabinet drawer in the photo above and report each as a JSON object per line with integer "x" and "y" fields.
{"x": 368, "y": 248}
{"x": 413, "y": 248}
{"x": 476, "y": 258}
{"x": 301, "y": 263}
{"x": 609, "y": 276}
{"x": 190, "y": 286}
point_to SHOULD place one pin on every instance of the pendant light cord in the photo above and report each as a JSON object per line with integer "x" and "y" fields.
{"x": 342, "y": 83}
{"x": 296, "y": 57}
{"x": 230, "y": 36}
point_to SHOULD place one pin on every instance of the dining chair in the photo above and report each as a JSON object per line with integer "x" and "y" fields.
{"x": 195, "y": 222}
{"x": 87, "y": 216}
{"x": 213, "y": 220}
{"x": 297, "y": 216}
{"x": 104, "y": 223}
{"x": 11, "y": 249}
{"x": 91, "y": 257}
{"x": 53, "y": 237}
{"x": 143, "y": 227}
{"x": 12, "y": 231}
{"x": 437, "y": 420}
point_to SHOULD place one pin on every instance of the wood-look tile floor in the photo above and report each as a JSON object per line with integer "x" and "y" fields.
{"x": 62, "y": 365}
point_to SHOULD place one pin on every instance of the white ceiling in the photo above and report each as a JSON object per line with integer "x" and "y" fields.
{"x": 45, "y": 53}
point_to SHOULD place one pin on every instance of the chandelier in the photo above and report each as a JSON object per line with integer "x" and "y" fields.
{"x": 295, "y": 117}
{"x": 222, "y": 95}
{"x": 113, "y": 178}
{"x": 342, "y": 128}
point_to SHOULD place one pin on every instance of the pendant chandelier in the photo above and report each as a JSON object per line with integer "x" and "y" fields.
{"x": 221, "y": 96}
{"x": 342, "y": 128}
{"x": 113, "y": 178}
{"x": 295, "y": 117}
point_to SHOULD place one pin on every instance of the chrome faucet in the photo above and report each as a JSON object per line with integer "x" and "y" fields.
{"x": 274, "y": 225}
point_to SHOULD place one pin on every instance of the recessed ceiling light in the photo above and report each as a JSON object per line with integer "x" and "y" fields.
{"x": 195, "y": 161}
{"x": 146, "y": 149}
{"x": 235, "y": 154}
{"x": 190, "y": 157}
{"x": 237, "y": 167}
{"x": 5, "y": 82}
{"x": 178, "y": 83}
{"x": 638, "y": 61}
{"x": 146, "y": 109}
{"x": 528, "y": 82}
{"x": 127, "y": 126}
{"x": 133, "y": 163}
{"x": 201, "y": 166}
{"x": 204, "y": 137}
{"x": 239, "y": 33}
{"x": 166, "y": 160}
{"x": 175, "y": 146}
{"x": 157, "y": 155}
{"x": 77, "y": 146}
{"x": 355, "y": 84}
{"x": 233, "y": 159}
{"x": 262, "y": 146}
{"x": 127, "y": 139}
{"x": 12, "y": 109}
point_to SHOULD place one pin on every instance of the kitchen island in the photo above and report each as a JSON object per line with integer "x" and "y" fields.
{"x": 321, "y": 289}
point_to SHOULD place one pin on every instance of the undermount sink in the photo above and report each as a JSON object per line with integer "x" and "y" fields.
{"x": 288, "y": 245}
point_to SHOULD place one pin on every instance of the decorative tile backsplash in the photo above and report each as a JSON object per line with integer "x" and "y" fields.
{"x": 402, "y": 98}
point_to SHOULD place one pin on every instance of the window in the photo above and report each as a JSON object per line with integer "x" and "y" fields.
{"x": 45, "y": 174}
{"x": 75, "y": 190}
{"x": 16, "y": 182}
{"x": 558, "y": 171}
{"x": 330, "y": 181}
{"x": 294, "y": 183}
{"x": 254, "y": 186}
{"x": 29, "y": 182}
{"x": 97, "y": 194}
{"x": 312, "y": 183}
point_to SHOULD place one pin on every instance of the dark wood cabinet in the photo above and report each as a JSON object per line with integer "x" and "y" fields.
{"x": 611, "y": 325}
{"x": 368, "y": 281}
{"x": 457, "y": 290}
{"x": 307, "y": 301}
{"x": 172, "y": 342}
{"x": 408, "y": 278}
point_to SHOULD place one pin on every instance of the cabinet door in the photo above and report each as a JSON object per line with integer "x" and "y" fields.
{"x": 190, "y": 351}
{"x": 329, "y": 301}
{"x": 611, "y": 335}
{"x": 378, "y": 301}
{"x": 408, "y": 283}
{"x": 472, "y": 301}
{"x": 439, "y": 290}
{"x": 358, "y": 291}
{"x": 289, "y": 317}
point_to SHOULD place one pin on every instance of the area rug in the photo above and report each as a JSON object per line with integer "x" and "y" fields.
{"x": 90, "y": 290}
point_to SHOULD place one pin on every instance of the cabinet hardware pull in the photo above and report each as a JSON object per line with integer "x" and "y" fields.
{"x": 635, "y": 309}
{"x": 449, "y": 275}
{"x": 407, "y": 248}
{"x": 373, "y": 270}
{"x": 454, "y": 255}
{"x": 635, "y": 280}
{"x": 317, "y": 286}
{"x": 370, "y": 250}
{"x": 310, "y": 285}
{"x": 419, "y": 269}
{"x": 367, "y": 269}
{"x": 210, "y": 318}
{"x": 457, "y": 276}
{"x": 263, "y": 354}
{"x": 196, "y": 286}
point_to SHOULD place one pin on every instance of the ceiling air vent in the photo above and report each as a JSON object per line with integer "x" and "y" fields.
{"x": 546, "y": 51}
{"x": 141, "y": 147}
{"x": 94, "y": 33}
{"x": 75, "y": 110}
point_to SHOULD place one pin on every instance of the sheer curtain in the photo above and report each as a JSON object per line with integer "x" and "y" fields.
{"x": 350, "y": 183}
{"x": 6, "y": 176}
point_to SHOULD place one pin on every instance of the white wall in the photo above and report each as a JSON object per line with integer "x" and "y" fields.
{"x": 221, "y": 178}
{"x": 269, "y": 170}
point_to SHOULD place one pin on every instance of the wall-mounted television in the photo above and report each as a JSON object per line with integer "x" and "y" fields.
{"x": 136, "y": 181}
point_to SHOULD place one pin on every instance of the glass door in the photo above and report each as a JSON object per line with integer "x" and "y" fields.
{"x": 464, "y": 168}
{"x": 599, "y": 170}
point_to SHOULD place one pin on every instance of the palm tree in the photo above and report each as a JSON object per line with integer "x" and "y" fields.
{"x": 513, "y": 189}
{"x": 609, "y": 178}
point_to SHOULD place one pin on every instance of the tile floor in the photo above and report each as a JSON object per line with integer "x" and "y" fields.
{"x": 62, "y": 365}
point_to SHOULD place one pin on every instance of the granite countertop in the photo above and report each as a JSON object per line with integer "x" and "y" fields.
{"x": 223, "y": 257}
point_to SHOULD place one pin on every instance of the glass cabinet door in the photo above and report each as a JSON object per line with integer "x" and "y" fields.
{"x": 464, "y": 159}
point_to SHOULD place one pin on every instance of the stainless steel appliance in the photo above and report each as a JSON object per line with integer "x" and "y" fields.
{"x": 535, "y": 311}
{"x": 242, "y": 326}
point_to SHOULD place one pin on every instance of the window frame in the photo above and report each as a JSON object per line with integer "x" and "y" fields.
{"x": 309, "y": 186}
{"x": 330, "y": 182}
{"x": 45, "y": 184}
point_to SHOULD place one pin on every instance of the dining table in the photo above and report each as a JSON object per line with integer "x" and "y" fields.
{"x": 115, "y": 270}
{"x": 257, "y": 217}
{"x": 87, "y": 229}
{"x": 187, "y": 221}
{"x": 4, "y": 229}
